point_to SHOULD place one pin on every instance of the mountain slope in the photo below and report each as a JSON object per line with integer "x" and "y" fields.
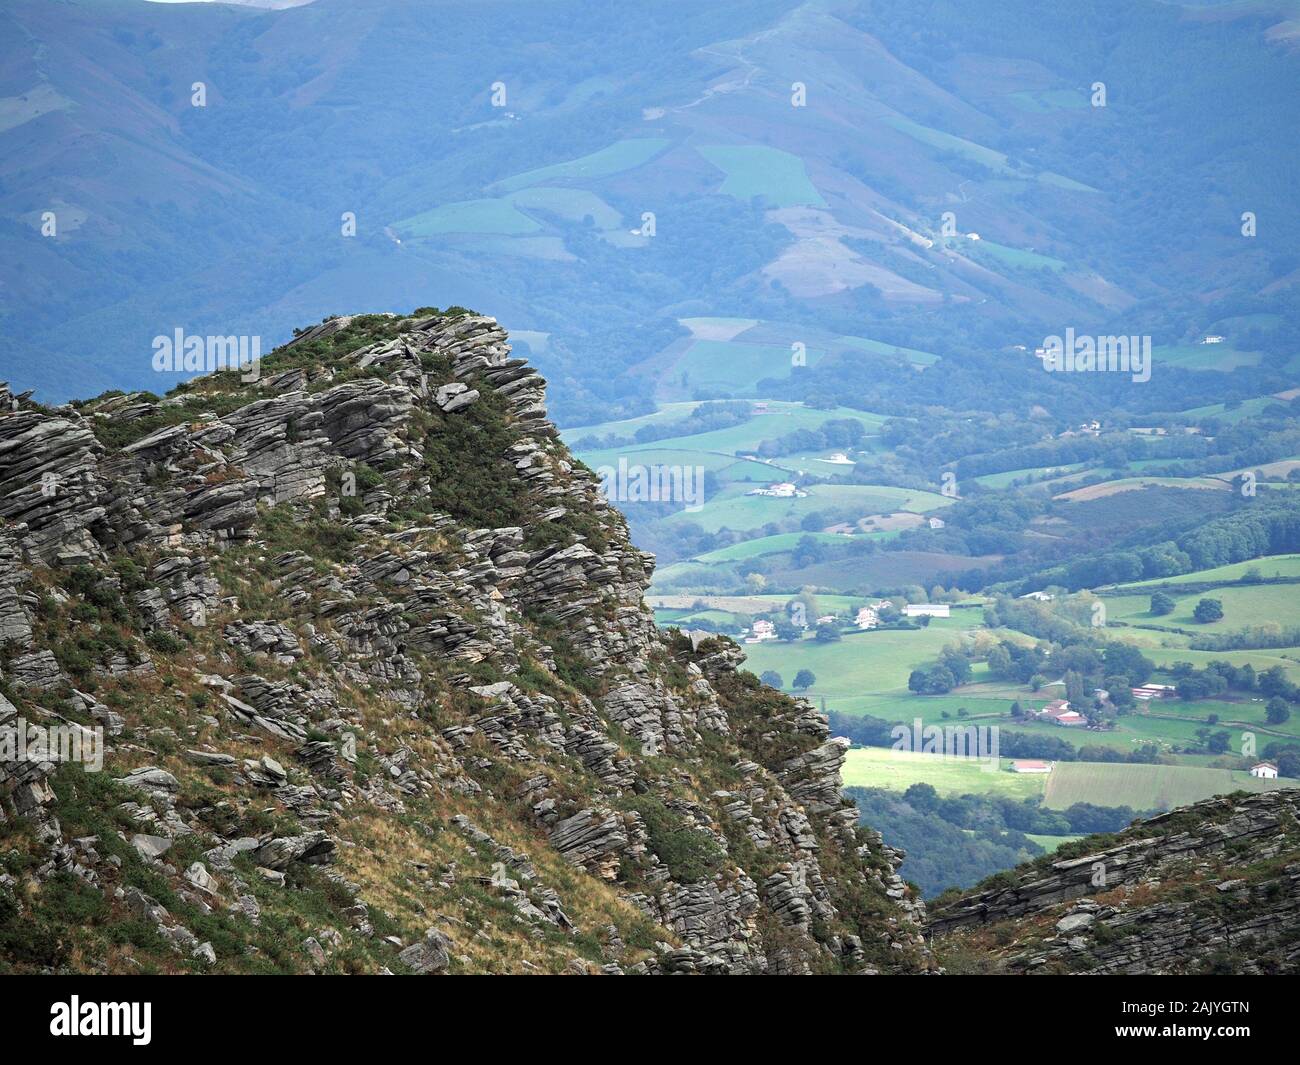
{"x": 1210, "y": 888}
{"x": 380, "y": 692}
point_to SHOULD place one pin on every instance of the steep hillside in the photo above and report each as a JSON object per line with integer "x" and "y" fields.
{"x": 379, "y": 692}
{"x": 1210, "y": 888}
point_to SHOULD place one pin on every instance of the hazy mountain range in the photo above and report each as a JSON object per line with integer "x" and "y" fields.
{"x": 806, "y": 224}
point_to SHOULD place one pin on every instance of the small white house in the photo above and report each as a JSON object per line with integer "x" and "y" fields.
{"x": 867, "y": 618}
{"x": 761, "y": 632}
{"x": 936, "y": 523}
{"x": 1264, "y": 770}
{"x": 1030, "y": 766}
{"x": 931, "y": 610}
{"x": 781, "y": 490}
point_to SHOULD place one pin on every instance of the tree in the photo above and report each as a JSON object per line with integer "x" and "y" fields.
{"x": 755, "y": 582}
{"x": 1208, "y": 610}
{"x": 1162, "y": 604}
{"x": 922, "y": 797}
{"x": 786, "y": 630}
{"x": 999, "y": 661}
{"x": 772, "y": 678}
{"x": 804, "y": 679}
{"x": 1277, "y": 712}
{"x": 828, "y": 633}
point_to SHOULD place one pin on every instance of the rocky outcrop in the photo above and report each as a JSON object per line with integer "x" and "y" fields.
{"x": 362, "y": 631}
{"x": 1210, "y": 887}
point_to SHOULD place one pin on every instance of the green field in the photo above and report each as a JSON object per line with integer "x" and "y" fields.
{"x": 880, "y": 767}
{"x": 1286, "y": 657}
{"x": 735, "y": 367}
{"x": 767, "y": 545}
{"x": 570, "y": 204}
{"x": 779, "y": 419}
{"x": 995, "y": 161}
{"x": 1004, "y": 479}
{"x": 1222, "y": 357}
{"x": 731, "y": 508}
{"x": 1143, "y": 787}
{"x": 1248, "y": 408}
{"x": 880, "y": 347}
{"x": 756, "y": 170}
{"x": 1268, "y": 566}
{"x": 874, "y": 662}
{"x": 617, "y": 157}
{"x": 1050, "y": 843}
{"x": 667, "y": 412}
{"x": 1243, "y": 605}
{"x": 1029, "y": 260}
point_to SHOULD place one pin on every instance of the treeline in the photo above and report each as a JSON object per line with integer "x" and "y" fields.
{"x": 956, "y": 842}
{"x": 1266, "y": 525}
{"x": 874, "y": 732}
{"x": 834, "y": 432}
{"x": 705, "y": 418}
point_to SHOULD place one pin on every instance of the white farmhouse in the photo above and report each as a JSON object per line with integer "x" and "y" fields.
{"x": 1264, "y": 770}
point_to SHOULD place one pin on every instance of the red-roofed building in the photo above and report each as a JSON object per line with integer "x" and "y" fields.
{"x": 1031, "y": 767}
{"x": 1058, "y": 711}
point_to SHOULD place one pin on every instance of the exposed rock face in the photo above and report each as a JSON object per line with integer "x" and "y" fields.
{"x": 1211, "y": 887}
{"x": 364, "y": 628}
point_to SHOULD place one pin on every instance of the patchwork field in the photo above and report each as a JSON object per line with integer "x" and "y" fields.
{"x": 767, "y": 545}
{"x": 1136, "y": 484}
{"x": 1251, "y": 604}
{"x": 1268, "y": 566}
{"x": 880, "y": 767}
{"x": 734, "y": 367}
{"x": 868, "y": 662}
{"x": 769, "y": 173}
{"x": 1142, "y": 787}
{"x": 731, "y": 508}
{"x": 617, "y": 157}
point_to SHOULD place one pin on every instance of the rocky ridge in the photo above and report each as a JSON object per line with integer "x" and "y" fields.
{"x": 378, "y": 692}
{"x": 1209, "y": 888}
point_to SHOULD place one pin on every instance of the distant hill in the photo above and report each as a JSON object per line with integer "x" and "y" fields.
{"x": 817, "y": 174}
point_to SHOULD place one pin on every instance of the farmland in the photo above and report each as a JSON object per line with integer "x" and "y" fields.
{"x": 880, "y": 767}
{"x": 1141, "y": 787}
{"x": 734, "y": 509}
{"x": 754, "y": 170}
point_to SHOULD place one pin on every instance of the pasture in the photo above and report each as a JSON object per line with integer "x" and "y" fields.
{"x": 880, "y": 767}
{"x": 1143, "y": 787}
{"x": 770, "y": 174}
